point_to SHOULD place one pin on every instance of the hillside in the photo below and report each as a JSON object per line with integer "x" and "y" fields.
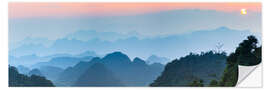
{"x": 181, "y": 72}
{"x": 20, "y": 80}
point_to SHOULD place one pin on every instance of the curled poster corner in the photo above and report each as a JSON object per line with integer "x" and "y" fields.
{"x": 249, "y": 76}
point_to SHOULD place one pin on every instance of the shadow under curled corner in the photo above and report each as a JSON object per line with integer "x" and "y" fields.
{"x": 245, "y": 72}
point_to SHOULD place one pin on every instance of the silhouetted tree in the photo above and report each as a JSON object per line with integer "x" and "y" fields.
{"x": 247, "y": 53}
{"x": 179, "y": 71}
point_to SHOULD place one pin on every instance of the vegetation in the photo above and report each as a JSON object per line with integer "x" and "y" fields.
{"x": 230, "y": 74}
{"x": 247, "y": 54}
{"x": 197, "y": 83}
{"x": 192, "y": 70}
{"x": 196, "y": 70}
{"x": 191, "y": 67}
{"x": 20, "y": 80}
{"x": 213, "y": 83}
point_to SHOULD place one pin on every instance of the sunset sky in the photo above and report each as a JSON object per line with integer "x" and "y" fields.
{"x": 56, "y": 20}
{"x": 26, "y": 10}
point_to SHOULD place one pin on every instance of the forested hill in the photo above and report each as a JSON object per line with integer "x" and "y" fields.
{"x": 20, "y": 80}
{"x": 181, "y": 72}
{"x": 210, "y": 68}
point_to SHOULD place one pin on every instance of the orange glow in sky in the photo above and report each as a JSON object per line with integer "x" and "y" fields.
{"x": 26, "y": 10}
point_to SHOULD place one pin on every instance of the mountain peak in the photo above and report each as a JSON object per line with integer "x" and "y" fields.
{"x": 156, "y": 59}
{"x": 136, "y": 58}
{"x": 117, "y": 52}
{"x": 35, "y": 72}
{"x": 138, "y": 61}
{"x": 117, "y": 56}
{"x": 153, "y": 56}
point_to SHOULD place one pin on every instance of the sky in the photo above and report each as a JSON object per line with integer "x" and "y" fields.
{"x": 29, "y": 10}
{"x": 57, "y": 20}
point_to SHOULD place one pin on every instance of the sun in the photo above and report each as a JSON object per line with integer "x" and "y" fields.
{"x": 243, "y": 11}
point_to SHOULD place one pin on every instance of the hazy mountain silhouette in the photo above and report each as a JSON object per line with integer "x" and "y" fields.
{"x": 51, "y": 72}
{"x": 28, "y": 49}
{"x": 23, "y": 70}
{"x": 63, "y": 62}
{"x": 160, "y": 46}
{"x": 136, "y": 73}
{"x": 29, "y": 60}
{"x": 87, "y": 53}
{"x": 71, "y": 74}
{"x": 155, "y": 59}
{"x": 26, "y": 60}
{"x": 30, "y": 41}
{"x": 58, "y": 55}
{"x": 35, "y": 72}
{"x": 86, "y": 35}
{"x": 98, "y": 75}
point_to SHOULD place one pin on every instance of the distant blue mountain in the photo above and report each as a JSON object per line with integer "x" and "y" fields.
{"x": 138, "y": 61}
{"x": 30, "y": 60}
{"x": 98, "y": 75}
{"x": 51, "y": 72}
{"x": 155, "y": 59}
{"x": 30, "y": 41}
{"x": 58, "y": 55}
{"x": 28, "y": 49}
{"x": 26, "y": 60}
{"x": 87, "y": 53}
{"x": 85, "y": 35}
{"x": 35, "y": 72}
{"x": 125, "y": 72}
{"x": 23, "y": 70}
{"x": 171, "y": 46}
{"x": 62, "y": 62}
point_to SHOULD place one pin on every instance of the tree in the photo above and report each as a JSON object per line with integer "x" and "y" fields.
{"x": 258, "y": 54}
{"x": 247, "y": 51}
{"x": 181, "y": 71}
{"x": 247, "y": 54}
{"x": 213, "y": 83}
